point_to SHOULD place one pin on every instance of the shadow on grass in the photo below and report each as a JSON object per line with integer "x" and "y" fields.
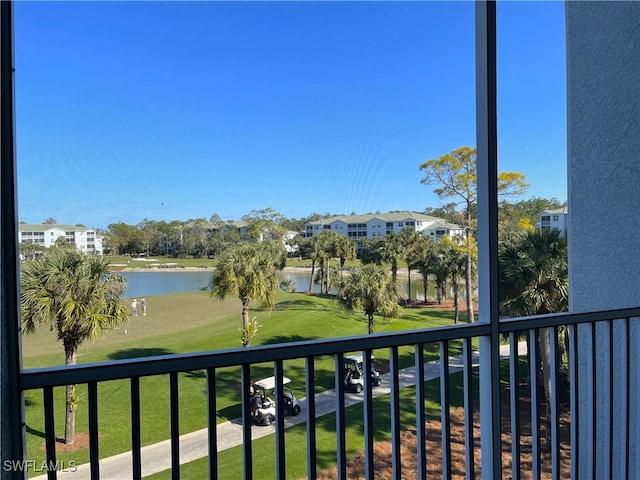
{"x": 33, "y": 431}
{"x": 302, "y": 305}
{"x": 195, "y": 374}
{"x": 287, "y": 339}
{"x": 444, "y": 315}
{"x": 138, "y": 353}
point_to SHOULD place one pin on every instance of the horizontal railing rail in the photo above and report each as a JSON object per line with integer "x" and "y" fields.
{"x": 508, "y": 325}
{"x": 158, "y": 365}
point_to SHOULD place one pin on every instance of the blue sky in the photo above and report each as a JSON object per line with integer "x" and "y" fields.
{"x": 179, "y": 110}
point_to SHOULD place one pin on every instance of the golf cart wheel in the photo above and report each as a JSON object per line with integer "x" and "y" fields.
{"x": 268, "y": 420}
{"x": 378, "y": 381}
{"x": 358, "y": 388}
{"x": 296, "y": 410}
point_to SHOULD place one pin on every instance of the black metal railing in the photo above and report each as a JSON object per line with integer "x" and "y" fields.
{"x": 544, "y": 440}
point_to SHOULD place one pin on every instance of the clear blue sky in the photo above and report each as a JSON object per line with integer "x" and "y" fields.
{"x": 179, "y": 110}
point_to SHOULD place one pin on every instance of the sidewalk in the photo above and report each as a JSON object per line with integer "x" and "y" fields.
{"x": 193, "y": 445}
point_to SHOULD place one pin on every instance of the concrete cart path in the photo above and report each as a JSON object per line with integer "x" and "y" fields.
{"x": 194, "y": 445}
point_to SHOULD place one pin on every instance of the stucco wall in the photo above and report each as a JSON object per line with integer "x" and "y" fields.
{"x": 603, "y": 72}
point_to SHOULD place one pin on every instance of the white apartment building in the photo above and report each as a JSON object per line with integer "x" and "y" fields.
{"x": 554, "y": 219}
{"x": 286, "y": 240}
{"x": 372, "y": 225}
{"x": 86, "y": 240}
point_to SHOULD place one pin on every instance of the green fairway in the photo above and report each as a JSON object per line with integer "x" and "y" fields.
{"x": 191, "y": 322}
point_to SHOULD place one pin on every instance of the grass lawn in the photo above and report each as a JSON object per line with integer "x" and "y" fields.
{"x": 190, "y": 322}
{"x": 295, "y": 438}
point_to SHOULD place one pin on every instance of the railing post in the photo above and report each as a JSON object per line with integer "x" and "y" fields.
{"x": 487, "y": 175}
{"x": 12, "y": 424}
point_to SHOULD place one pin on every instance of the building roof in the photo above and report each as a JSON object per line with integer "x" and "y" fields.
{"x": 385, "y": 217}
{"x": 557, "y": 211}
{"x": 31, "y": 227}
{"x": 445, "y": 224}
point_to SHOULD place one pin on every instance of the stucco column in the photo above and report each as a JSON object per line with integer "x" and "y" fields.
{"x": 603, "y": 72}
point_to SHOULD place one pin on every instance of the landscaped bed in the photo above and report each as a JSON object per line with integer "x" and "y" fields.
{"x": 382, "y": 450}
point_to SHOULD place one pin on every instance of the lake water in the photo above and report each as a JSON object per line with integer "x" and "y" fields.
{"x": 141, "y": 284}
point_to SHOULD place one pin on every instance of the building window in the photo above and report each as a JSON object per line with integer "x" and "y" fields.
{"x": 555, "y": 218}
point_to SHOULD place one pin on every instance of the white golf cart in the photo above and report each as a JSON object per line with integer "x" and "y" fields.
{"x": 263, "y": 409}
{"x": 353, "y": 376}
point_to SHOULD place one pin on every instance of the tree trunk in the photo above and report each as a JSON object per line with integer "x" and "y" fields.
{"x": 370, "y": 317}
{"x": 326, "y": 279}
{"x": 409, "y": 281}
{"x": 70, "y": 400}
{"x": 425, "y": 282}
{"x": 467, "y": 277}
{"x": 313, "y": 267}
{"x": 394, "y": 272}
{"x": 455, "y": 301}
{"x": 321, "y": 266}
{"x": 245, "y": 320}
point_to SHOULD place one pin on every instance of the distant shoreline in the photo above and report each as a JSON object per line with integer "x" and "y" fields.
{"x": 402, "y": 272}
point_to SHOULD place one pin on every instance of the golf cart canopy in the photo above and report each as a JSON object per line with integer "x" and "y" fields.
{"x": 355, "y": 358}
{"x": 269, "y": 383}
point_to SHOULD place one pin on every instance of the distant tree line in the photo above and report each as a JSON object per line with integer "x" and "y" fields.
{"x": 195, "y": 238}
{"x": 198, "y": 237}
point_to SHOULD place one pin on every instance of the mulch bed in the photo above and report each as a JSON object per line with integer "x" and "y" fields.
{"x": 80, "y": 441}
{"x": 382, "y": 450}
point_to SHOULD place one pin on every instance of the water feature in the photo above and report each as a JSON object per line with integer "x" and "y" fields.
{"x": 142, "y": 284}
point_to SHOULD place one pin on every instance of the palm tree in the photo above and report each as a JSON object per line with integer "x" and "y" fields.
{"x": 369, "y": 289}
{"x": 322, "y": 248}
{"x": 75, "y": 295}
{"x": 392, "y": 250}
{"x": 439, "y": 267}
{"x": 345, "y": 249}
{"x": 422, "y": 259}
{"x": 309, "y": 248}
{"x": 326, "y": 243}
{"x": 409, "y": 239}
{"x": 454, "y": 259}
{"x": 533, "y": 274}
{"x": 248, "y": 271}
{"x": 533, "y": 280}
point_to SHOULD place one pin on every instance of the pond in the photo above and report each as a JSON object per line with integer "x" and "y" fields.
{"x": 142, "y": 284}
